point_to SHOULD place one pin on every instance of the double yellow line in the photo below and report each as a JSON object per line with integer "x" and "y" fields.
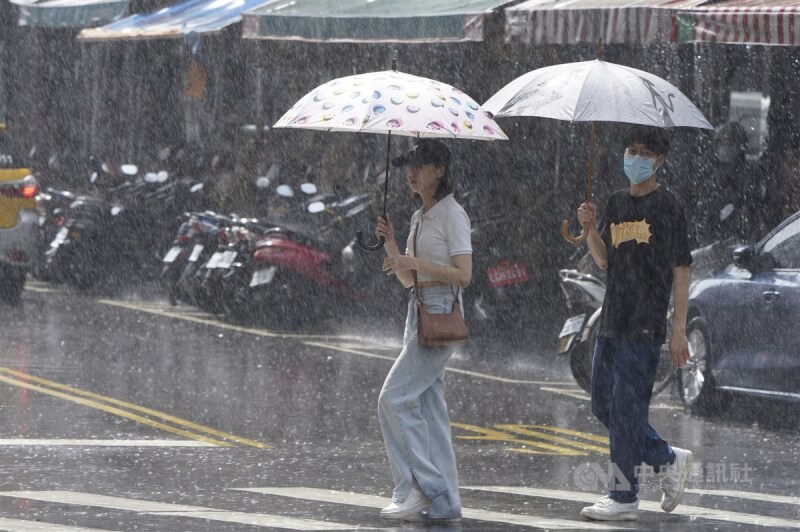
{"x": 139, "y": 414}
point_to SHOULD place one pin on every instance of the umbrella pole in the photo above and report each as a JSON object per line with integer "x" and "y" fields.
{"x": 587, "y": 198}
{"x": 360, "y": 234}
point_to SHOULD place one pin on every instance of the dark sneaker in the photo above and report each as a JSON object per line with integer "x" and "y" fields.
{"x": 607, "y": 509}
{"x": 673, "y": 479}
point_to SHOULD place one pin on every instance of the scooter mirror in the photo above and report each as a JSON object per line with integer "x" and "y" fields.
{"x": 285, "y": 191}
{"x": 151, "y": 177}
{"x": 106, "y": 168}
{"x": 129, "y": 169}
{"x": 196, "y": 188}
{"x": 316, "y": 207}
{"x": 115, "y": 210}
{"x": 308, "y": 188}
{"x": 262, "y": 183}
{"x": 93, "y": 178}
{"x": 162, "y": 176}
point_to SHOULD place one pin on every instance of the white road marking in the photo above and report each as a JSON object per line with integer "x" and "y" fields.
{"x": 20, "y": 525}
{"x": 176, "y": 510}
{"x": 26, "y": 442}
{"x": 338, "y": 347}
{"x": 374, "y": 501}
{"x": 649, "y": 506}
{"x": 751, "y": 495}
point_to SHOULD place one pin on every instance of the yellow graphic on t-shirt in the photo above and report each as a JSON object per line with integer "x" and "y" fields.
{"x": 627, "y": 231}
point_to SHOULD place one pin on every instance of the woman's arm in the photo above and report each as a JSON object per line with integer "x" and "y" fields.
{"x": 460, "y": 273}
{"x": 385, "y": 230}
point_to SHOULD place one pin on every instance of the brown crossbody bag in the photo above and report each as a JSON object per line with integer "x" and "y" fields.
{"x": 436, "y": 330}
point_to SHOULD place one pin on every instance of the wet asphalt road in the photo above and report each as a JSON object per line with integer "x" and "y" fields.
{"x": 130, "y": 414}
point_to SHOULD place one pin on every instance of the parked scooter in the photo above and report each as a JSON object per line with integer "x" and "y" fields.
{"x": 122, "y": 236}
{"x": 303, "y": 271}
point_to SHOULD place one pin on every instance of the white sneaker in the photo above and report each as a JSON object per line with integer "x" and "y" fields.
{"x": 414, "y": 504}
{"x": 607, "y": 509}
{"x": 673, "y": 479}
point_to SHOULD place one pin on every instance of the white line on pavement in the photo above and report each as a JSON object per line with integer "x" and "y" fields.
{"x": 25, "y": 442}
{"x": 20, "y": 525}
{"x": 175, "y": 510}
{"x": 373, "y": 501}
{"x": 338, "y": 347}
{"x": 751, "y": 495}
{"x": 691, "y": 511}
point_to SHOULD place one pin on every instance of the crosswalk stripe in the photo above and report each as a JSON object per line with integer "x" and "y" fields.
{"x": 753, "y": 496}
{"x": 20, "y": 525}
{"x": 31, "y": 442}
{"x": 176, "y": 510}
{"x": 374, "y": 501}
{"x": 692, "y": 511}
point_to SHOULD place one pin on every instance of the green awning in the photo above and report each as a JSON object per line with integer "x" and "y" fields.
{"x": 370, "y": 20}
{"x": 69, "y": 13}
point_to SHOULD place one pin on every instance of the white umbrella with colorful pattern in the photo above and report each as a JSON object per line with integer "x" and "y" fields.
{"x": 392, "y": 103}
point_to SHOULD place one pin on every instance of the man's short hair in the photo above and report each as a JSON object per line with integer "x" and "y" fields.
{"x": 655, "y": 139}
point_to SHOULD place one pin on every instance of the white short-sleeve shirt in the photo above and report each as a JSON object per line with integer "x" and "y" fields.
{"x": 444, "y": 232}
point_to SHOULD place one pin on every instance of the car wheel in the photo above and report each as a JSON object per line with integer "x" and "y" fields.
{"x": 698, "y": 390}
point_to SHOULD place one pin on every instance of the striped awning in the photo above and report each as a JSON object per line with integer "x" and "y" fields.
{"x": 69, "y": 13}
{"x": 370, "y": 20}
{"x": 772, "y": 22}
{"x": 586, "y": 21}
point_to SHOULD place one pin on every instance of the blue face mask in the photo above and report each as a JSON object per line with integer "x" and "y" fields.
{"x": 639, "y": 169}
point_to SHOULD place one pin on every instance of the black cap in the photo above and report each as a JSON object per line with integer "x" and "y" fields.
{"x": 425, "y": 151}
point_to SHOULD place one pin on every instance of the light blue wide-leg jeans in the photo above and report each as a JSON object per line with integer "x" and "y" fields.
{"x": 413, "y": 415}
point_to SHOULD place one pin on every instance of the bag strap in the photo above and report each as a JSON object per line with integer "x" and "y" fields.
{"x": 414, "y": 271}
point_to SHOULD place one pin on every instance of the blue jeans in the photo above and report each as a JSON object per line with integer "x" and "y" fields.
{"x": 413, "y": 415}
{"x": 623, "y": 373}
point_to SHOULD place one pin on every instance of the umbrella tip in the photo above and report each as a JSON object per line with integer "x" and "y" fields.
{"x": 394, "y": 63}
{"x": 599, "y": 49}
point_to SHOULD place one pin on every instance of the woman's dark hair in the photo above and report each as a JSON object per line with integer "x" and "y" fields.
{"x": 653, "y": 138}
{"x": 446, "y": 186}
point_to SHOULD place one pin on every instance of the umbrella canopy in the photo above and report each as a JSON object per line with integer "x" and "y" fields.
{"x": 597, "y": 91}
{"x": 392, "y": 102}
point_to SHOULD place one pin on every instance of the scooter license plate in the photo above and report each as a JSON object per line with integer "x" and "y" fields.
{"x": 572, "y": 326}
{"x": 264, "y": 276}
{"x": 214, "y": 260}
{"x": 227, "y": 259}
{"x": 198, "y": 249}
{"x": 171, "y": 255}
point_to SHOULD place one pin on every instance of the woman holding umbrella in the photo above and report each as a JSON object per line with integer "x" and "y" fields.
{"x": 411, "y": 407}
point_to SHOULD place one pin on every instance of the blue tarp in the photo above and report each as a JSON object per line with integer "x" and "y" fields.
{"x": 199, "y": 16}
{"x": 69, "y": 13}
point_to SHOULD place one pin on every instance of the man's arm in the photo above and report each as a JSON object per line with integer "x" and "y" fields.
{"x": 587, "y": 215}
{"x": 678, "y": 343}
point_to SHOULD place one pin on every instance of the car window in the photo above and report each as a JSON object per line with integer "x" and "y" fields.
{"x": 784, "y": 246}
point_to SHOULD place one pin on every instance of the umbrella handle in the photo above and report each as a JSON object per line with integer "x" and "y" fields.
{"x": 369, "y": 247}
{"x": 573, "y": 239}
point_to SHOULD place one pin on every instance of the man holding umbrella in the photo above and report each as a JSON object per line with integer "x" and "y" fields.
{"x": 642, "y": 241}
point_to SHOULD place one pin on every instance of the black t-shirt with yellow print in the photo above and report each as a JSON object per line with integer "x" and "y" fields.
{"x": 646, "y": 237}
